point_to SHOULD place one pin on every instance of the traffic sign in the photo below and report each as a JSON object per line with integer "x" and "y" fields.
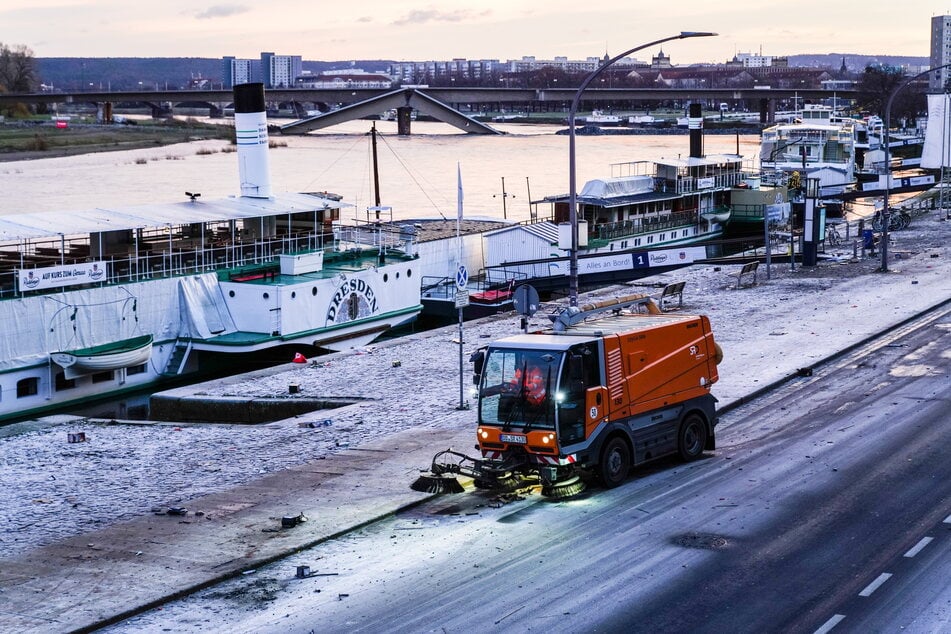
{"x": 462, "y": 299}
{"x": 462, "y": 277}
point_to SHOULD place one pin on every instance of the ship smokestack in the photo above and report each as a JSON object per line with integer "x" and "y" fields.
{"x": 695, "y": 125}
{"x": 250, "y": 125}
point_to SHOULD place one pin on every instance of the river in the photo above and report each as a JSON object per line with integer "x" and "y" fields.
{"x": 418, "y": 174}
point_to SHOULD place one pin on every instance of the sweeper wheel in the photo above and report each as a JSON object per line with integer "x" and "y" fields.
{"x": 563, "y": 489}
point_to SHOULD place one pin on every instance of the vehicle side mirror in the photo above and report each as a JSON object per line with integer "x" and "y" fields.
{"x": 478, "y": 362}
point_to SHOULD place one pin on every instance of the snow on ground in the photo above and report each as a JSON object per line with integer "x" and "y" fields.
{"x": 53, "y": 489}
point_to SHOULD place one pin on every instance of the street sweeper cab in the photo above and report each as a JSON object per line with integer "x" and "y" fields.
{"x": 610, "y": 385}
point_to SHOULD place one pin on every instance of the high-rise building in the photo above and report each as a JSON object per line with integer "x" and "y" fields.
{"x": 280, "y": 71}
{"x": 940, "y": 52}
{"x": 274, "y": 71}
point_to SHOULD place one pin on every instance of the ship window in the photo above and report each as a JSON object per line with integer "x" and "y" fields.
{"x": 313, "y": 291}
{"x": 62, "y": 383}
{"x": 409, "y": 272}
{"x": 266, "y": 296}
{"x": 637, "y": 242}
{"x": 28, "y": 387}
{"x": 136, "y": 369}
{"x": 386, "y": 277}
{"x": 102, "y": 377}
{"x": 650, "y": 239}
{"x": 230, "y": 293}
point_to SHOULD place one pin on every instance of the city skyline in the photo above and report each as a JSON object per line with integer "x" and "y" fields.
{"x": 440, "y": 29}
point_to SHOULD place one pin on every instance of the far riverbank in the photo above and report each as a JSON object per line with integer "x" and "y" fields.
{"x": 28, "y": 140}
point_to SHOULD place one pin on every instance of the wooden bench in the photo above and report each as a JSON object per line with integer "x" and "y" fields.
{"x": 671, "y": 291}
{"x": 748, "y": 270}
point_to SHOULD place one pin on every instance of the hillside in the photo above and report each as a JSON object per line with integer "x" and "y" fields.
{"x": 132, "y": 73}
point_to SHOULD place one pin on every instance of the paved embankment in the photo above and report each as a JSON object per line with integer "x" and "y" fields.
{"x": 84, "y": 530}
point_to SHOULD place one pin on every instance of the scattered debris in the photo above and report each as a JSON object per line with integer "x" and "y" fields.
{"x": 177, "y": 510}
{"x": 290, "y": 521}
{"x": 76, "y": 436}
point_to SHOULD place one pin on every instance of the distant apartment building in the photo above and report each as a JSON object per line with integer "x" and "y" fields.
{"x": 422, "y": 72}
{"x": 274, "y": 71}
{"x": 343, "y": 79}
{"x": 476, "y": 70}
{"x": 751, "y": 60}
{"x": 940, "y": 52}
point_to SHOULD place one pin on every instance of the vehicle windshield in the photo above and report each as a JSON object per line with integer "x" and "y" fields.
{"x": 518, "y": 388}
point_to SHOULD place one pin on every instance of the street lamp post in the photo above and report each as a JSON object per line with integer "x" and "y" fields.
{"x": 572, "y": 184}
{"x": 888, "y": 161}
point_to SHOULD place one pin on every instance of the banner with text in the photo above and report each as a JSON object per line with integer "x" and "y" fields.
{"x": 65, "y": 275}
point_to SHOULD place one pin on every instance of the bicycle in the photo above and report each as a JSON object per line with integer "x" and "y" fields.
{"x": 897, "y": 220}
{"x": 833, "y": 237}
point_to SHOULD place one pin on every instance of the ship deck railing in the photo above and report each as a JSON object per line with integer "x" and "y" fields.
{"x": 614, "y": 230}
{"x": 146, "y": 261}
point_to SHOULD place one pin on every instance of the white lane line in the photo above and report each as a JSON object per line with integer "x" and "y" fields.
{"x": 947, "y": 520}
{"x": 872, "y": 587}
{"x": 917, "y": 547}
{"x": 828, "y": 625}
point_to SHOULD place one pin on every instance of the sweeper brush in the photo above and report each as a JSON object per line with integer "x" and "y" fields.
{"x": 440, "y": 478}
{"x": 437, "y": 483}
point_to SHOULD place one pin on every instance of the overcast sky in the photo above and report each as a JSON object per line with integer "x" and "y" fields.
{"x": 473, "y": 29}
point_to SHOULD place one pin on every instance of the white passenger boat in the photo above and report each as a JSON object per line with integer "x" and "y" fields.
{"x": 647, "y": 217}
{"x": 99, "y": 302}
{"x": 817, "y": 144}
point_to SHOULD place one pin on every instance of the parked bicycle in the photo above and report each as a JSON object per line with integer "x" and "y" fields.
{"x": 897, "y": 220}
{"x": 833, "y": 237}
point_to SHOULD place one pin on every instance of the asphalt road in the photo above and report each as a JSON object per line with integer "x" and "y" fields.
{"x": 826, "y": 507}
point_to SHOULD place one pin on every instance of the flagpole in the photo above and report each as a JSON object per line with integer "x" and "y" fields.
{"x": 459, "y": 263}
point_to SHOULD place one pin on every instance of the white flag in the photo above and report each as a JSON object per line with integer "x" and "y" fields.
{"x": 459, "y": 193}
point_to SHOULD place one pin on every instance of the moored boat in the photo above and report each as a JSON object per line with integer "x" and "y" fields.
{"x": 646, "y": 217}
{"x": 110, "y": 300}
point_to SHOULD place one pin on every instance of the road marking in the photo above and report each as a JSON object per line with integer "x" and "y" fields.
{"x": 917, "y": 547}
{"x": 828, "y": 625}
{"x": 947, "y": 520}
{"x": 872, "y": 587}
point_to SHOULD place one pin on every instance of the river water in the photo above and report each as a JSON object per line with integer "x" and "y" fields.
{"x": 418, "y": 174}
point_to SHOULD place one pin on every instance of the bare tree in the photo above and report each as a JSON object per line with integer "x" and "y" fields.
{"x": 17, "y": 69}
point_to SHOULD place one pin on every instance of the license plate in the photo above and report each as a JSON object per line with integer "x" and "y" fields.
{"x": 513, "y": 438}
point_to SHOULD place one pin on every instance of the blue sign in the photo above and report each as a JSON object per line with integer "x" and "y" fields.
{"x": 462, "y": 277}
{"x": 640, "y": 259}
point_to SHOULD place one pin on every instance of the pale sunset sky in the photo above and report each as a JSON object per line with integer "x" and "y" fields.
{"x": 474, "y": 29}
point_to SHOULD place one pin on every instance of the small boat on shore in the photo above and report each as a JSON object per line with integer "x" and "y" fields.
{"x": 109, "y": 356}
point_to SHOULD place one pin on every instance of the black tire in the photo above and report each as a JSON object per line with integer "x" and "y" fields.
{"x": 615, "y": 462}
{"x": 692, "y": 437}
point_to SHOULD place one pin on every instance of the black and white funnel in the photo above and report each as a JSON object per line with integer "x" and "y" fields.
{"x": 250, "y": 125}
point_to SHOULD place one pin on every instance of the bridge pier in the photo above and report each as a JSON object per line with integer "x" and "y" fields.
{"x": 161, "y": 111}
{"x": 767, "y": 110}
{"x": 104, "y": 112}
{"x": 403, "y": 120}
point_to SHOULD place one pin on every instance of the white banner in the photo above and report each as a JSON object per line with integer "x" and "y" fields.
{"x": 57, "y": 276}
{"x": 670, "y": 257}
{"x": 587, "y": 266}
